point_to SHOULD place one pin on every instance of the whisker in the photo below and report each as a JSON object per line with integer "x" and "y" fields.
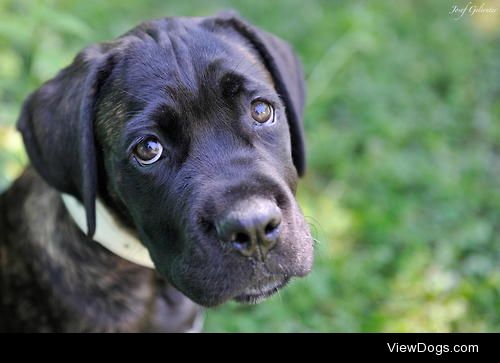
{"x": 313, "y": 222}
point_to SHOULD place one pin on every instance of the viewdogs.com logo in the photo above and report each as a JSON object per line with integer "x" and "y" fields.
{"x": 437, "y": 349}
{"x": 470, "y": 9}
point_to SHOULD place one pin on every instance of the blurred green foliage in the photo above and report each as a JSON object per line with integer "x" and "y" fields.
{"x": 403, "y": 129}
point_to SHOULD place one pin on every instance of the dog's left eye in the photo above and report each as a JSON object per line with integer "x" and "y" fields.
{"x": 262, "y": 111}
{"x": 148, "y": 151}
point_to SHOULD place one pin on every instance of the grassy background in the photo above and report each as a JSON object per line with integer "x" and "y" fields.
{"x": 403, "y": 128}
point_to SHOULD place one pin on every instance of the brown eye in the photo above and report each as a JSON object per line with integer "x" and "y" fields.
{"x": 262, "y": 111}
{"x": 148, "y": 151}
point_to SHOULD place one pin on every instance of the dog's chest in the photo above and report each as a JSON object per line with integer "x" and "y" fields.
{"x": 53, "y": 279}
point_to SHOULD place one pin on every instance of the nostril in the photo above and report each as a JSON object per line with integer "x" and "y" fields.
{"x": 271, "y": 227}
{"x": 243, "y": 243}
{"x": 241, "y": 238}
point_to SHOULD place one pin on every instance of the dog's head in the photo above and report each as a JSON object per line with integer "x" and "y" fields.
{"x": 190, "y": 131}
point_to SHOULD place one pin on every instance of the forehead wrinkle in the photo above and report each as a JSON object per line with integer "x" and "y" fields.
{"x": 185, "y": 70}
{"x": 244, "y": 50}
{"x": 146, "y": 119}
{"x": 192, "y": 53}
{"x": 196, "y": 101}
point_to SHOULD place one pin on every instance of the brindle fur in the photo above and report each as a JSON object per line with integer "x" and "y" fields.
{"x": 55, "y": 279}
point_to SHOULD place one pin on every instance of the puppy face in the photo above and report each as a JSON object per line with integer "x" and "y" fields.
{"x": 194, "y": 152}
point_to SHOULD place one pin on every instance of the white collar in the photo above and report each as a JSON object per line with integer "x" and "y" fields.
{"x": 109, "y": 233}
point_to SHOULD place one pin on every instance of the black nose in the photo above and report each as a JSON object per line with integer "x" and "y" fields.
{"x": 251, "y": 227}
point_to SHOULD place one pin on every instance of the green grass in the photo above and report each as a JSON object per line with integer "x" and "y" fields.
{"x": 403, "y": 129}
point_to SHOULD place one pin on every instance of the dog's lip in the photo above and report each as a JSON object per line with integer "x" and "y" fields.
{"x": 256, "y": 294}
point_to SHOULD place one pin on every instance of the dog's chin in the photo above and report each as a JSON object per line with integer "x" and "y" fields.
{"x": 257, "y": 293}
{"x": 254, "y": 293}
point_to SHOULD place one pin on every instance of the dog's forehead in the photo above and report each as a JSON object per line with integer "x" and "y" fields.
{"x": 183, "y": 55}
{"x": 178, "y": 62}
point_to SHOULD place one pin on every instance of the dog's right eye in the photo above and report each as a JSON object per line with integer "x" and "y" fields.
{"x": 148, "y": 151}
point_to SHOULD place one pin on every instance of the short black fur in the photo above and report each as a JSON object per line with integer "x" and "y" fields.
{"x": 189, "y": 83}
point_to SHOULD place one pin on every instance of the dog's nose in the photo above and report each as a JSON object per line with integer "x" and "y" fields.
{"x": 251, "y": 227}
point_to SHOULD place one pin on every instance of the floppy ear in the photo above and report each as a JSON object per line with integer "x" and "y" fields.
{"x": 286, "y": 71}
{"x": 57, "y": 125}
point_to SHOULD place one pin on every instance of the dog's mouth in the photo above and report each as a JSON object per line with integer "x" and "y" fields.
{"x": 260, "y": 292}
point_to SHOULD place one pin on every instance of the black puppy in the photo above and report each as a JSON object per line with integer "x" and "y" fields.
{"x": 184, "y": 134}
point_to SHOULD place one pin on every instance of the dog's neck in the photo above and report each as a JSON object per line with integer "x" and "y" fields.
{"x": 109, "y": 233}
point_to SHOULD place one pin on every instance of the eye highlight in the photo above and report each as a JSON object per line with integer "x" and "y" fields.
{"x": 148, "y": 151}
{"x": 262, "y": 111}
